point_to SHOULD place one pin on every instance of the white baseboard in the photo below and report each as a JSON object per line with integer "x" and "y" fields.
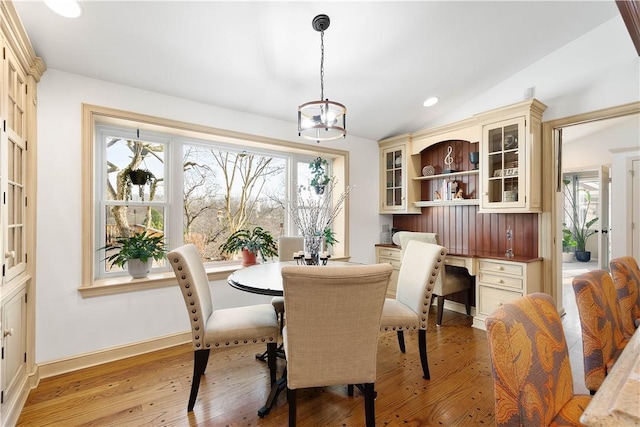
{"x": 74, "y": 363}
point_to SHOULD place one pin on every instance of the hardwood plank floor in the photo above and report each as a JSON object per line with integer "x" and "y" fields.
{"x": 153, "y": 389}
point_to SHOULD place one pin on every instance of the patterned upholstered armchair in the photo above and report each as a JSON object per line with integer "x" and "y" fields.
{"x": 602, "y": 336}
{"x": 530, "y": 365}
{"x": 626, "y": 277}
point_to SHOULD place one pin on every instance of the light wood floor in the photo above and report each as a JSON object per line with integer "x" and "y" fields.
{"x": 153, "y": 389}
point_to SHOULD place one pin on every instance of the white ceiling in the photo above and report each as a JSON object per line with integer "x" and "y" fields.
{"x": 382, "y": 59}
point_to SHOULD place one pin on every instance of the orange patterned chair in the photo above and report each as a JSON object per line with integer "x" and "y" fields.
{"x": 626, "y": 276}
{"x": 530, "y": 364}
{"x": 602, "y": 336}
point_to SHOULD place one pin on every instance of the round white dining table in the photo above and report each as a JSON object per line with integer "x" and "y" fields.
{"x": 266, "y": 279}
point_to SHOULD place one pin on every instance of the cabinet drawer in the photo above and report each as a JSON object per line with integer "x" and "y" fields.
{"x": 500, "y": 280}
{"x": 502, "y": 268}
{"x": 389, "y": 253}
{"x": 395, "y": 263}
{"x": 491, "y": 298}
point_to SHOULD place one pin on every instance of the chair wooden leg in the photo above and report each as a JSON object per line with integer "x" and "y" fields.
{"x": 350, "y": 390}
{"x": 440, "y": 310}
{"x": 401, "y": 341}
{"x": 292, "y": 399}
{"x": 467, "y": 301}
{"x": 200, "y": 359}
{"x": 272, "y": 348}
{"x": 422, "y": 343}
{"x": 369, "y": 404}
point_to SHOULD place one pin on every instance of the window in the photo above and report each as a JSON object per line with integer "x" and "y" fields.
{"x": 189, "y": 184}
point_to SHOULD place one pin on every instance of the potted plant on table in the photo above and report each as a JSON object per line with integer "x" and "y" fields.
{"x": 136, "y": 251}
{"x": 250, "y": 243}
{"x": 320, "y": 179}
{"x": 579, "y": 228}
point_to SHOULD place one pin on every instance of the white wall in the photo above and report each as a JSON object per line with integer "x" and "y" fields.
{"x": 601, "y": 69}
{"x": 67, "y": 324}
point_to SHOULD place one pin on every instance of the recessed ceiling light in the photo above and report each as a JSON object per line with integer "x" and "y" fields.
{"x": 431, "y": 101}
{"x": 66, "y": 8}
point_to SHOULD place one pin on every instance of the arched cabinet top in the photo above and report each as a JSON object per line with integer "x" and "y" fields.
{"x": 463, "y": 130}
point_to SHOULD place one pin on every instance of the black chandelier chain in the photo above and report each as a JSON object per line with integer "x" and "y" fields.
{"x": 321, "y": 65}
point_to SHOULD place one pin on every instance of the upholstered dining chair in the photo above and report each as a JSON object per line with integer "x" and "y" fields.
{"x": 421, "y": 264}
{"x": 626, "y": 277}
{"x": 287, "y": 245}
{"x": 218, "y": 328}
{"x": 333, "y": 322}
{"x": 449, "y": 282}
{"x": 533, "y": 384}
{"x": 602, "y": 336}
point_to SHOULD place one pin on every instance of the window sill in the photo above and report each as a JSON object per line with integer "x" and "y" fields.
{"x": 122, "y": 284}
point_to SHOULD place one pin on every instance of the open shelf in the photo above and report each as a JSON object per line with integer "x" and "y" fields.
{"x": 454, "y": 202}
{"x": 447, "y": 175}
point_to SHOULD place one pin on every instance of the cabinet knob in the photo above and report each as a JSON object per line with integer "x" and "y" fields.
{"x": 499, "y": 303}
{"x": 8, "y": 332}
{"x": 500, "y": 268}
{"x": 10, "y": 254}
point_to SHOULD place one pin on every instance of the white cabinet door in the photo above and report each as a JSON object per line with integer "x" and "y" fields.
{"x": 13, "y": 344}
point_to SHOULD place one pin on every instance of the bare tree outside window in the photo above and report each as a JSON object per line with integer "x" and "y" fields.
{"x": 226, "y": 191}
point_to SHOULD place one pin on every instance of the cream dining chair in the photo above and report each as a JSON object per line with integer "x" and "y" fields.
{"x": 448, "y": 282}
{"x": 218, "y": 328}
{"x": 287, "y": 245}
{"x": 422, "y": 263}
{"x": 333, "y": 323}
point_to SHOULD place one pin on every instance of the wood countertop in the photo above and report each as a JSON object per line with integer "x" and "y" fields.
{"x": 475, "y": 254}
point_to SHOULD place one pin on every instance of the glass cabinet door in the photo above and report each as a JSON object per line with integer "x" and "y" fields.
{"x": 505, "y": 163}
{"x": 393, "y": 183}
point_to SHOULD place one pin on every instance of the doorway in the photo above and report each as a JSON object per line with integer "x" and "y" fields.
{"x": 589, "y": 128}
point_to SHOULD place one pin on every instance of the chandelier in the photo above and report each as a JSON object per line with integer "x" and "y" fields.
{"x": 322, "y": 120}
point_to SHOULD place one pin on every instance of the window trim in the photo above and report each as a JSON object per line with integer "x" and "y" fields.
{"x": 93, "y": 114}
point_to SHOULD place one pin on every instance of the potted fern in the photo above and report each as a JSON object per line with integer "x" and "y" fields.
{"x": 251, "y": 243}
{"x": 136, "y": 251}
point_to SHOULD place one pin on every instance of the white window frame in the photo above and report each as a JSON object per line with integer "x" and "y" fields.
{"x": 187, "y": 132}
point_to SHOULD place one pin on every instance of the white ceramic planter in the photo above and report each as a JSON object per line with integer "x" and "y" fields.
{"x": 138, "y": 269}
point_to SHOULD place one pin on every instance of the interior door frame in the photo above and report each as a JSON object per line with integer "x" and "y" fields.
{"x": 550, "y": 246}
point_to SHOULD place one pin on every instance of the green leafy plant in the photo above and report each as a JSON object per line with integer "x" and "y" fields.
{"x": 255, "y": 241}
{"x": 568, "y": 242}
{"x": 329, "y": 237}
{"x": 577, "y": 225}
{"x": 142, "y": 246}
{"x": 318, "y": 170}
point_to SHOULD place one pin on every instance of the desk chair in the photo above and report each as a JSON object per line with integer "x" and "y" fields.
{"x": 530, "y": 363}
{"x": 602, "y": 336}
{"x": 218, "y": 328}
{"x": 421, "y": 264}
{"x": 333, "y": 321}
{"x": 448, "y": 282}
{"x": 626, "y": 277}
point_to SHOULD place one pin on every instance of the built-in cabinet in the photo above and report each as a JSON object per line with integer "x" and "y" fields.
{"x": 511, "y": 158}
{"x": 20, "y": 72}
{"x": 509, "y": 171}
{"x": 398, "y": 192}
{"x": 390, "y": 255}
{"x": 501, "y": 281}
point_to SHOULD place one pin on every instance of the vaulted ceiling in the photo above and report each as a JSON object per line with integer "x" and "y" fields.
{"x": 382, "y": 59}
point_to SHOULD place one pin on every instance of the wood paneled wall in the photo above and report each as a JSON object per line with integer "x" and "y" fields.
{"x": 463, "y": 229}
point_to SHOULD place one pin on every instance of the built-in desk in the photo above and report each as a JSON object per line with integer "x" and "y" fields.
{"x": 498, "y": 279}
